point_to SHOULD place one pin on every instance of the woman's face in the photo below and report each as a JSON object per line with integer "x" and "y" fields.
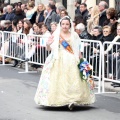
{"x": 118, "y": 30}
{"x": 35, "y": 28}
{"x": 20, "y": 24}
{"x": 40, "y": 8}
{"x": 108, "y": 16}
{"x": 106, "y": 31}
{"x": 65, "y": 25}
{"x": 62, "y": 14}
{"x": 25, "y": 11}
{"x": 18, "y": 28}
{"x": 53, "y": 27}
{"x": 25, "y": 25}
{"x": 43, "y": 29}
{"x": 96, "y": 32}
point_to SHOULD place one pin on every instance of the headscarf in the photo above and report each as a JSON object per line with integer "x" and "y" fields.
{"x": 74, "y": 37}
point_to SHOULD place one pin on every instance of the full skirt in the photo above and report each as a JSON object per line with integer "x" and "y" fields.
{"x": 60, "y": 83}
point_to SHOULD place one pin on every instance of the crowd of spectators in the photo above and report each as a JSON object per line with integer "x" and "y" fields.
{"x": 98, "y": 22}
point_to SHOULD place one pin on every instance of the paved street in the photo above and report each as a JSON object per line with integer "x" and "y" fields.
{"x": 16, "y": 101}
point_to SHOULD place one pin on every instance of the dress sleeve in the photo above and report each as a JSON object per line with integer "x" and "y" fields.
{"x": 76, "y": 45}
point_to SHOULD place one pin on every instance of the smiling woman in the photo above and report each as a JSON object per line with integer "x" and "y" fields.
{"x": 60, "y": 82}
{"x": 106, "y": 30}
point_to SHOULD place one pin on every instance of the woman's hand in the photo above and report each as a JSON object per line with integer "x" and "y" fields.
{"x": 50, "y": 40}
{"x": 95, "y": 50}
{"x": 116, "y": 54}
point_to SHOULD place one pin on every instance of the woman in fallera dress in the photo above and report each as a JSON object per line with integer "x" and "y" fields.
{"x": 60, "y": 82}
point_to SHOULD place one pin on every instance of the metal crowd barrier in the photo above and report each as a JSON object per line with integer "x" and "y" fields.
{"x": 92, "y": 51}
{"x": 111, "y": 65}
{"x": 32, "y": 49}
{"x": 1, "y": 47}
{"x": 19, "y": 47}
{"x": 14, "y": 46}
{"x": 37, "y": 52}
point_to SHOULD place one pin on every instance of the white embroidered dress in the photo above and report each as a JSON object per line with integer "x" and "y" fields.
{"x": 60, "y": 82}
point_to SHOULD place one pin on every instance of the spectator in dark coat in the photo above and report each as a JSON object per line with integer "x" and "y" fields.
{"x": 94, "y": 49}
{"x": 19, "y": 14}
{"x": 51, "y": 16}
{"x": 84, "y": 12}
{"x": 58, "y": 11}
{"x": 111, "y": 14}
{"x": 4, "y": 13}
{"x": 102, "y": 17}
{"x": 78, "y": 19}
{"x": 97, "y": 34}
{"x": 10, "y": 14}
{"x": 80, "y": 29}
{"x": 38, "y": 16}
{"x": 107, "y": 36}
{"x": 77, "y": 5}
{"x": 53, "y": 3}
{"x": 8, "y": 26}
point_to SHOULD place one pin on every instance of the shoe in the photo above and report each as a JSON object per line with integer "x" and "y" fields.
{"x": 110, "y": 76}
{"x": 0, "y": 58}
{"x": 115, "y": 84}
{"x": 15, "y": 63}
{"x": 27, "y": 59}
{"x": 70, "y": 106}
{"x": 8, "y": 60}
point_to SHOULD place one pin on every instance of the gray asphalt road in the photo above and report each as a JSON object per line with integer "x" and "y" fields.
{"x": 16, "y": 101}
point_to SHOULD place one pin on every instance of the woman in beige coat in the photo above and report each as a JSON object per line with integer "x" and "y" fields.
{"x": 94, "y": 19}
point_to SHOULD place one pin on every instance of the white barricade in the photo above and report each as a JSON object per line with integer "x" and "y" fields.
{"x": 15, "y": 46}
{"x": 37, "y": 52}
{"x": 1, "y": 48}
{"x": 111, "y": 64}
{"x": 32, "y": 49}
{"x": 92, "y": 51}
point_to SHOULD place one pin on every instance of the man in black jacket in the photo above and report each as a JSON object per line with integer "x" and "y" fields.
{"x": 51, "y": 16}
{"x": 52, "y": 2}
{"x": 77, "y": 5}
{"x": 102, "y": 17}
{"x": 2, "y": 17}
{"x": 84, "y": 12}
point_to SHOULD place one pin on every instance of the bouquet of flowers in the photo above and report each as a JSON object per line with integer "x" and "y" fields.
{"x": 85, "y": 69}
{"x": 86, "y": 72}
